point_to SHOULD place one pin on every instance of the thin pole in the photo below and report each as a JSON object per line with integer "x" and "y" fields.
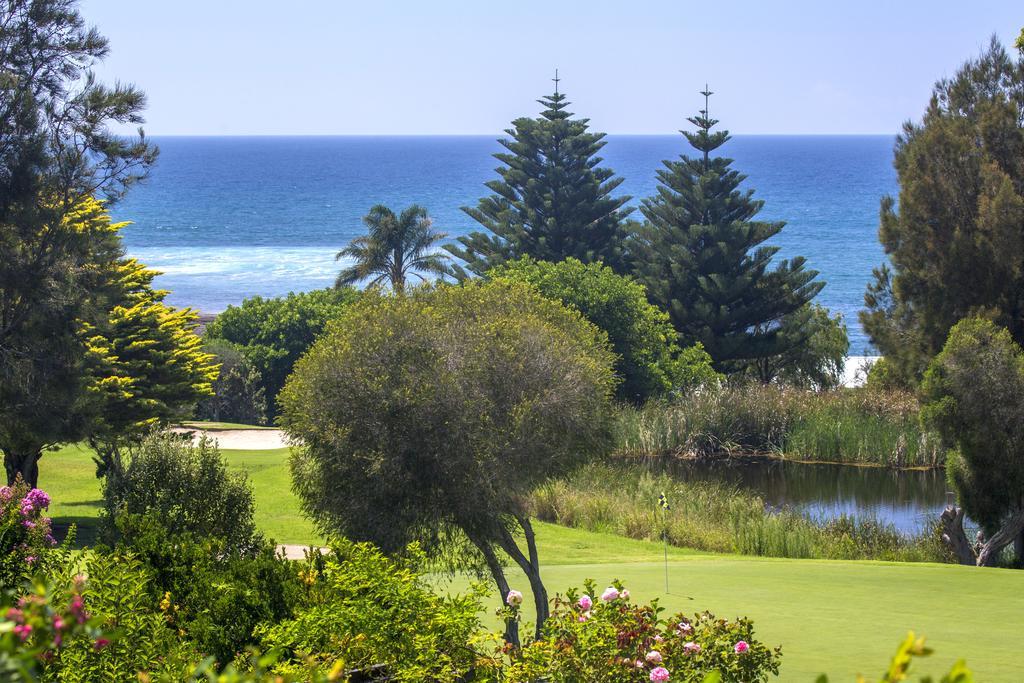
{"x": 664, "y": 538}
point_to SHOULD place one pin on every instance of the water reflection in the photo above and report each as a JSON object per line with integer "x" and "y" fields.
{"x": 911, "y": 500}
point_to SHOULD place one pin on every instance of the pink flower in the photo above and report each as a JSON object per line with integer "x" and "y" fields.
{"x": 514, "y": 598}
{"x": 23, "y": 631}
{"x": 58, "y": 623}
{"x": 583, "y": 617}
{"x": 741, "y": 647}
{"x": 691, "y": 647}
{"x": 659, "y": 674}
{"x": 101, "y": 643}
{"x": 638, "y": 664}
{"x": 610, "y": 593}
{"x": 653, "y": 657}
{"x": 29, "y": 559}
{"x": 624, "y": 594}
{"x": 658, "y": 638}
{"x": 585, "y": 602}
{"x": 684, "y": 627}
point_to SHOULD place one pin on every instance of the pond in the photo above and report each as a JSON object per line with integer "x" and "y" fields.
{"x": 910, "y": 500}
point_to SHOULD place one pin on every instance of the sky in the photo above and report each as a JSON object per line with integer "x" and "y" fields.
{"x": 335, "y": 67}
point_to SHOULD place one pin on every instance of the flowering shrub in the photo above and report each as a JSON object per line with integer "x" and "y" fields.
{"x": 25, "y": 537}
{"x": 611, "y": 639}
{"x": 34, "y": 629}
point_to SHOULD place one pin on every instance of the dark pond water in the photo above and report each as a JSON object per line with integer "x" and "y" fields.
{"x": 911, "y": 500}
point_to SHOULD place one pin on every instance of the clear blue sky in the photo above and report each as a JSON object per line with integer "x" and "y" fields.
{"x": 252, "y": 67}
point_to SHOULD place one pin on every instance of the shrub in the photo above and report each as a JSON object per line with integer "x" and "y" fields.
{"x": 25, "y": 539}
{"x": 214, "y": 598}
{"x": 117, "y": 595}
{"x": 274, "y": 333}
{"x": 363, "y": 609}
{"x": 650, "y": 362}
{"x": 607, "y": 638}
{"x": 187, "y": 488}
{"x": 238, "y": 392}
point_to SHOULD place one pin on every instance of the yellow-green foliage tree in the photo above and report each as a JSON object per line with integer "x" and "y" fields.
{"x": 126, "y": 363}
{"x": 147, "y": 366}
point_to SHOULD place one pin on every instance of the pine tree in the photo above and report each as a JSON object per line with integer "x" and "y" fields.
{"x": 552, "y": 200}
{"x": 702, "y": 258}
{"x": 955, "y": 239}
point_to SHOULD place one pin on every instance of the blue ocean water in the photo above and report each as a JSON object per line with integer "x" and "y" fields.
{"x": 229, "y": 217}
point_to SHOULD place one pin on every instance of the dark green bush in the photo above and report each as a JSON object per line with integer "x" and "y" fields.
{"x": 214, "y": 597}
{"x": 273, "y": 333}
{"x": 650, "y": 362}
{"x": 238, "y": 392}
{"x": 187, "y": 488}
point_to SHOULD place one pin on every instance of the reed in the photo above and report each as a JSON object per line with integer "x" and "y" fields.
{"x": 621, "y": 498}
{"x": 860, "y": 426}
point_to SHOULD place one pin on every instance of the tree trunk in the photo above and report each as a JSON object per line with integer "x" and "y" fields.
{"x": 1011, "y": 529}
{"x": 23, "y": 463}
{"x": 953, "y": 534}
{"x": 530, "y": 567}
{"x": 1018, "y": 549}
{"x": 987, "y": 552}
{"x": 498, "y": 573}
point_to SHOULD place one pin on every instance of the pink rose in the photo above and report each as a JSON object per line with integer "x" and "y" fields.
{"x": 659, "y": 674}
{"x": 685, "y": 627}
{"x": 741, "y": 647}
{"x": 610, "y": 593}
{"x": 583, "y": 617}
{"x": 585, "y": 602}
{"x": 514, "y": 599}
{"x": 691, "y": 647}
{"x": 624, "y": 594}
{"x": 653, "y": 657}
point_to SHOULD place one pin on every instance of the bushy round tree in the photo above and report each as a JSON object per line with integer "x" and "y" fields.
{"x": 430, "y": 418}
{"x": 649, "y": 360}
{"x": 974, "y": 397}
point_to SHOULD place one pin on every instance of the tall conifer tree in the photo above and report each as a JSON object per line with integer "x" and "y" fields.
{"x": 702, "y": 257}
{"x": 552, "y": 200}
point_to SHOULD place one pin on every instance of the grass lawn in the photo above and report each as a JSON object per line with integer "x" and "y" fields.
{"x": 838, "y": 617}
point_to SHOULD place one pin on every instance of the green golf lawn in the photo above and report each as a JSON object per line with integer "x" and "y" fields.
{"x": 838, "y": 617}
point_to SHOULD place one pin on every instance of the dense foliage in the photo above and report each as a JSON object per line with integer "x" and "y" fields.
{"x": 814, "y": 346}
{"x": 606, "y": 638}
{"x": 486, "y": 388}
{"x": 974, "y": 398}
{"x": 954, "y": 242}
{"x": 649, "y": 361}
{"x": 396, "y": 248}
{"x": 272, "y": 334}
{"x": 552, "y": 201}
{"x": 238, "y": 394}
{"x": 186, "y": 488}
{"x": 702, "y": 257}
{"x": 362, "y": 610}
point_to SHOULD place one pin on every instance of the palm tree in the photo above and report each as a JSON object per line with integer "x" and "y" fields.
{"x": 395, "y": 248}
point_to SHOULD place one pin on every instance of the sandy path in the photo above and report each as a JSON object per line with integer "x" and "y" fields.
{"x": 240, "y": 439}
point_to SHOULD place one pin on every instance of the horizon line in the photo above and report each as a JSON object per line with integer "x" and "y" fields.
{"x": 481, "y": 135}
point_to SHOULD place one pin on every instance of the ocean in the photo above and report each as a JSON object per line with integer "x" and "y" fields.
{"x": 224, "y": 218}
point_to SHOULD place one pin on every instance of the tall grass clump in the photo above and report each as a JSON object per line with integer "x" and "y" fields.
{"x": 621, "y": 498}
{"x": 864, "y": 426}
